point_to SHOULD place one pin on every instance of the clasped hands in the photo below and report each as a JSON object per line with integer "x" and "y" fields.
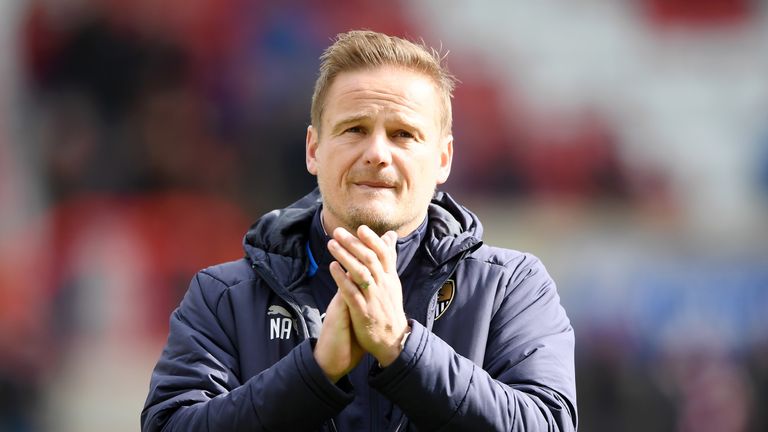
{"x": 366, "y": 314}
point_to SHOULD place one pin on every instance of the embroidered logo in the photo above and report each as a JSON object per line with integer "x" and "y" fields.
{"x": 281, "y": 323}
{"x": 444, "y": 297}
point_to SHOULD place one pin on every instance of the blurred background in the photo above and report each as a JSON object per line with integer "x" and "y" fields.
{"x": 623, "y": 142}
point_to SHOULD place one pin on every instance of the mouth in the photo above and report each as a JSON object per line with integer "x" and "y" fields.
{"x": 375, "y": 185}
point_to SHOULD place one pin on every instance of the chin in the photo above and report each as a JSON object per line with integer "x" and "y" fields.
{"x": 379, "y": 219}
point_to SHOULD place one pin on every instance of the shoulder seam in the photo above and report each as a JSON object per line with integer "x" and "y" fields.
{"x": 219, "y": 280}
{"x": 485, "y": 261}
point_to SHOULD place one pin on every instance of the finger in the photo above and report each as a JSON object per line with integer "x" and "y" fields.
{"x": 391, "y": 240}
{"x": 377, "y": 244}
{"x": 392, "y": 236}
{"x": 353, "y": 299}
{"x": 350, "y": 292}
{"x": 333, "y": 313}
{"x": 359, "y": 273}
{"x": 359, "y": 250}
{"x": 337, "y": 313}
{"x": 336, "y": 306}
{"x": 352, "y": 254}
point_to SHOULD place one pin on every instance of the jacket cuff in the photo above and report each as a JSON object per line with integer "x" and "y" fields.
{"x": 335, "y": 396}
{"x": 428, "y": 372}
{"x": 296, "y": 378}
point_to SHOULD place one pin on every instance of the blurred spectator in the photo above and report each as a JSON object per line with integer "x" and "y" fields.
{"x": 713, "y": 392}
{"x": 101, "y": 273}
{"x": 137, "y": 181}
{"x": 575, "y": 160}
{"x": 698, "y": 13}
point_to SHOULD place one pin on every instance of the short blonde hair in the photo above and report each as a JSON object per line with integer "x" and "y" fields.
{"x": 364, "y": 49}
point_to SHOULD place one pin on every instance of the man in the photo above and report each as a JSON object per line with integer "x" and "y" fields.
{"x": 373, "y": 304}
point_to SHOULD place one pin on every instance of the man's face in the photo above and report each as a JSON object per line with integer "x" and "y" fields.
{"x": 380, "y": 150}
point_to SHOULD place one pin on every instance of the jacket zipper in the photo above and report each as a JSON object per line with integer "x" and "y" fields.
{"x": 276, "y": 288}
{"x": 371, "y": 399}
{"x": 429, "y": 319}
{"x": 400, "y": 424}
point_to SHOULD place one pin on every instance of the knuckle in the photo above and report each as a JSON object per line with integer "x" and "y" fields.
{"x": 368, "y": 257}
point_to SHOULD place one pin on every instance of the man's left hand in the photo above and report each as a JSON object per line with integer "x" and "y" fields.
{"x": 371, "y": 288}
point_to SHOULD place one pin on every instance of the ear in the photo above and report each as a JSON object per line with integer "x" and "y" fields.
{"x": 446, "y": 158}
{"x": 312, "y": 140}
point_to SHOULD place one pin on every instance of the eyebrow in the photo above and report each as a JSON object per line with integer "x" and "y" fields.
{"x": 339, "y": 126}
{"x": 355, "y": 118}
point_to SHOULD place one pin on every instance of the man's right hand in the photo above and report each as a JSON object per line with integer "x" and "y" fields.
{"x": 337, "y": 351}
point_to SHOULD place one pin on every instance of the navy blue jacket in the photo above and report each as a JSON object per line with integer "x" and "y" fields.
{"x": 499, "y": 356}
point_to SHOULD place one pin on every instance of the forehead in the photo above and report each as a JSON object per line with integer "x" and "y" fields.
{"x": 384, "y": 90}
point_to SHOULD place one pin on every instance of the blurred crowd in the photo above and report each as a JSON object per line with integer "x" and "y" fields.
{"x": 625, "y": 143}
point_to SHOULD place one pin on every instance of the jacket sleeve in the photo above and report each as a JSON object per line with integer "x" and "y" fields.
{"x": 527, "y": 382}
{"x": 195, "y": 385}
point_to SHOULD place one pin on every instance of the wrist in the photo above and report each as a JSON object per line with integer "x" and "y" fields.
{"x": 395, "y": 351}
{"x": 327, "y": 367}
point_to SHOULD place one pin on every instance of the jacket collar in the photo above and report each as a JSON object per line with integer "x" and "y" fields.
{"x": 318, "y": 239}
{"x": 277, "y": 241}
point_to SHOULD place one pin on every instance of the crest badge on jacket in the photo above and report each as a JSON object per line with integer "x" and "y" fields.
{"x": 444, "y": 297}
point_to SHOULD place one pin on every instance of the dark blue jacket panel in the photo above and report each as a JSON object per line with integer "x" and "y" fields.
{"x": 498, "y": 357}
{"x": 214, "y": 376}
{"x": 496, "y": 360}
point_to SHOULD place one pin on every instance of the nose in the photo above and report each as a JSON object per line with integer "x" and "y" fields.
{"x": 377, "y": 150}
